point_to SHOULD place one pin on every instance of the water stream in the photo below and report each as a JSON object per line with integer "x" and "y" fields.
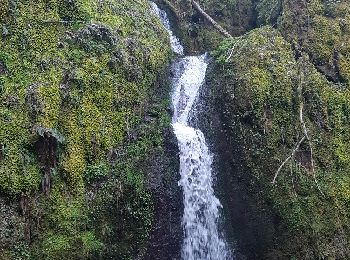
{"x": 202, "y": 240}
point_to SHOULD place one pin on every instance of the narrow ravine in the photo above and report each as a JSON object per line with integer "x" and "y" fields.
{"x": 202, "y": 239}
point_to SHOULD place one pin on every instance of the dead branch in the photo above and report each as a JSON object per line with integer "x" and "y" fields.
{"x": 291, "y": 156}
{"x": 57, "y": 22}
{"x": 231, "y": 52}
{"x": 211, "y": 20}
{"x": 301, "y": 118}
{"x": 305, "y": 131}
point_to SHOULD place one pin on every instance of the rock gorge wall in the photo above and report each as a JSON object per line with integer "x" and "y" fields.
{"x": 266, "y": 78}
{"x": 87, "y": 163}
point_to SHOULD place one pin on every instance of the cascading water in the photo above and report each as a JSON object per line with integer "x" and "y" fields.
{"x": 174, "y": 41}
{"x": 201, "y": 208}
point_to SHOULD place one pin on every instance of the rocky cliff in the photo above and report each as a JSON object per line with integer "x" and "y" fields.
{"x": 276, "y": 103}
{"x": 84, "y": 114}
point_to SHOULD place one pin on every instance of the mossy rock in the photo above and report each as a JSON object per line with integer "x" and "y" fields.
{"x": 258, "y": 97}
{"x": 76, "y": 79}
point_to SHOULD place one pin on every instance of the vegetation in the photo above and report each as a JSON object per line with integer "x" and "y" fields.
{"x": 83, "y": 117}
{"x": 197, "y": 33}
{"x": 77, "y": 80}
{"x": 267, "y": 80}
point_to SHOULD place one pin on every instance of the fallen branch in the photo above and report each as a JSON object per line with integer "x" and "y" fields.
{"x": 211, "y": 20}
{"x": 288, "y": 158}
{"x": 305, "y": 136}
{"x": 301, "y": 118}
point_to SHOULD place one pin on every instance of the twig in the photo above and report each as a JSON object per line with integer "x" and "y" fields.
{"x": 231, "y": 52}
{"x": 292, "y": 177}
{"x": 302, "y": 122}
{"x": 57, "y": 21}
{"x": 288, "y": 158}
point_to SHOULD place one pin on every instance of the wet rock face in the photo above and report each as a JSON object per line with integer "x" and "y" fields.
{"x": 249, "y": 223}
{"x": 166, "y": 235}
{"x": 161, "y": 170}
{"x": 3, "y": 69}
{"x": 12, "y": 228}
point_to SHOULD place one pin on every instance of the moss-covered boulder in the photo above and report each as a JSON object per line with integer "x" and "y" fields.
{"x": 320, "y": 28}
{"x": 285, "y": 121}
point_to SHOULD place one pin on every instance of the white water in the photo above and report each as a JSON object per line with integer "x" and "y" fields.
{"x": 174, "y": 41}
{"x": 202, "y": 241}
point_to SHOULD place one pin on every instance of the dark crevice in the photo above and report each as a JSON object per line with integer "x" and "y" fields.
{"x": 2, "y": 152}
{"x": 46, "y": 150}
{"x": 3, "y": 69}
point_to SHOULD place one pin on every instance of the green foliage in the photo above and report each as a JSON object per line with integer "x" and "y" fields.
{"x": 75, "y": 10}
{"x": 124, "y": 198}
{"x": 260, "y": 72}
{"x": 324, "y": 38}
{"x": 95, "y": 172}
{"x": 322, "y": 30}
{"x": 67, "y": 232}
{"x": 268, "y": 11}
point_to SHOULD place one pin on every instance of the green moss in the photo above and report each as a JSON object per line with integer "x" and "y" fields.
{"x": 268, "y": 11}
{"x": 83, "y": 72}
{"x": 77, "y": 10}
{"x": 94, "y": 173}
{"x": 68, "y": 234}
{"x": 324, "y": 39}
{"x": 260, "y": 72}
{"x": 50, "y": 99}
{"x": 344, "y": 68}
{"x": 259, "y": 101}
{"x": 3, "y": 9}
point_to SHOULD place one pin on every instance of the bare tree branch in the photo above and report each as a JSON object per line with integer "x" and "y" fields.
{"x": 291, "y": 156}
{"x": 302, "y": 122}
{"x": 211, "y": 20}
{"x": 231, "y": 52}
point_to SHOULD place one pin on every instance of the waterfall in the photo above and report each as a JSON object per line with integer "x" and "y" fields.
{"x": 174, "y": 41}
{"x": 202, "y": 240}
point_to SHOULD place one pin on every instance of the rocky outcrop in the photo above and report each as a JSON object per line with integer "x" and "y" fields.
{"x": 166, "y": 235}
{"x": 275, "y": 104}
{"x": 88, "y": 165}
